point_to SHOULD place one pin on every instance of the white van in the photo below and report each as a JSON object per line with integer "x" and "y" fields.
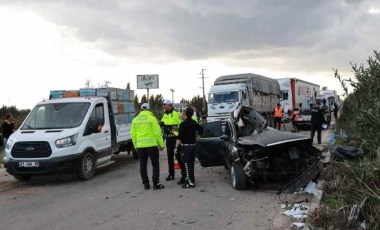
{"x": 66, "y": 135}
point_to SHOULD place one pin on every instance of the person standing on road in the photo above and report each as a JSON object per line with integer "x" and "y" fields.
{"x": 147, "y": 139}
{"x": 317, "y": 120}
{"x": 170, "y": 121}
{"x": 188, "y": 131}
{"x": 7, "y": 128}
{"x": 278, "y": 111}
{"x": 294, "y": 119}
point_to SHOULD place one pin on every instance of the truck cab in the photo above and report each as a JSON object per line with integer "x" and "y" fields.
{"x": 224, "y": 99}
{"x": 65, "y": 135}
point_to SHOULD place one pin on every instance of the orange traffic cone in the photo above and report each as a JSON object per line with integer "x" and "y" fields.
{"x": 176, "y": 164}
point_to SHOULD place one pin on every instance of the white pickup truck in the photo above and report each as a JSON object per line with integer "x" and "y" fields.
{"x": 66, "y": 135}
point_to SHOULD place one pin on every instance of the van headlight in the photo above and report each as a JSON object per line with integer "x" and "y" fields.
{"x": 9, "y": 144}
{"x": 67, "y": 141}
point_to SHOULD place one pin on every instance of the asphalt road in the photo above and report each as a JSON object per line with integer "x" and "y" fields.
{"x": 115, "y": 199}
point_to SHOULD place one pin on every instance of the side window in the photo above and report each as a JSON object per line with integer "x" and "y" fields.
{"x": 212, "y": 129}
{"x": 98, "y": 112}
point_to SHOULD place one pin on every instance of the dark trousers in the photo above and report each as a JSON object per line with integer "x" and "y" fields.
{"x": 188, "y": 157}
{"x": 153, "y": 153}
{"x": 277, "y": 122}
{"x": 317, "y": 128}
{"x": 170, "y": 146}
{"x": 295, "y": 126}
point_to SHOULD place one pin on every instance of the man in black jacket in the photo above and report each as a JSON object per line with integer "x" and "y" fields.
{"x": 187, "y": 134}
{"x": 317, "y": 120}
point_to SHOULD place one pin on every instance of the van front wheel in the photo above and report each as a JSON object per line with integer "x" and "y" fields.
{"x": 87, "y": 169}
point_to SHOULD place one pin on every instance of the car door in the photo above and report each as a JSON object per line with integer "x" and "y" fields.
{"x": 210, "y": 147}
{"x": 101, "y": 140}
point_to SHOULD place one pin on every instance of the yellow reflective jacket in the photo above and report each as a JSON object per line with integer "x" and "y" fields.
{"x": 171, "y": 122}
{"x": 146, "y": 131}
{"x": 195, "y": 118}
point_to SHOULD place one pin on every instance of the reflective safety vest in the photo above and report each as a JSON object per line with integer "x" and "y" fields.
{"x": 278, "y": 111}
{"x": 294, "y": 116}
{"x": 146, "y": 131}
{"x": 195, "y": 118}
{"x": 171, "y": 122}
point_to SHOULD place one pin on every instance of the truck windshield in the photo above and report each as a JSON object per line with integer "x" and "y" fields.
{"x": 221, "y": 97}
{"x": 56, "y": 116}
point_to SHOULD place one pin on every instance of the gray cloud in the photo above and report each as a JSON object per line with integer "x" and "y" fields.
{"x": 301, "y": 35}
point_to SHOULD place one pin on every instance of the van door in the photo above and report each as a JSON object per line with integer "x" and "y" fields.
{"x": 210, "y": 147}
{"x": 101, "y": 140}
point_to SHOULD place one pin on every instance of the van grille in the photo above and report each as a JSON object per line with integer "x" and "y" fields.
{"x": 31, "y": 149}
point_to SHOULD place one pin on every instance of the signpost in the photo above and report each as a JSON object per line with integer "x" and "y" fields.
{"x": 148, "y": 81}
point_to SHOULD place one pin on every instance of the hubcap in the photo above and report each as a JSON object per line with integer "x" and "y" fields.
{"x": 88, "y": 165}
{"x": 233, "y": 176}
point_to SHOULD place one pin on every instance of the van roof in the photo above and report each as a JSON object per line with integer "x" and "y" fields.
{"x": 71, "y": 99}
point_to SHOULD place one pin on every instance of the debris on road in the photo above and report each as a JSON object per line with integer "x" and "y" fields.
{"x": 343, "y": 152}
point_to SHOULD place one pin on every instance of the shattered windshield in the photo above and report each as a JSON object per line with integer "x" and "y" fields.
{"x": 56, "y": 116}
{"x": 222, "y": 97}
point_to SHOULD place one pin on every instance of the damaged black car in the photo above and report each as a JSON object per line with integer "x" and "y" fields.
{"x": 254, "y": 152}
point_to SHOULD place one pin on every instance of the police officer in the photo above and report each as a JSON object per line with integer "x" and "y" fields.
{"x": 317, "y": 120}
{"x": 277, "y": 111}
{"x": 147, "y": 139}
{"x": 188, "y": 130}
{"x": 170, "y": 121}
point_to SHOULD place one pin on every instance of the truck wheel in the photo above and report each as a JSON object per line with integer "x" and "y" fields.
{"x": 22, "y": 177}
{"x": 87, "y": 168}
{"x": 239, "y": 181}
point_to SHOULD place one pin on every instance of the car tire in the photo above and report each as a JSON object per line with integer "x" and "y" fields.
{"x": 87, "y": 167}
{"x": 238, "y": 178}
{"x": 22, "y": 177}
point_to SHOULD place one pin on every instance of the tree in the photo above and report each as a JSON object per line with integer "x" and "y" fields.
{"x": 136, "y": 103}
{"x": 197, "y": 103}
{"x": 324, "y": 87}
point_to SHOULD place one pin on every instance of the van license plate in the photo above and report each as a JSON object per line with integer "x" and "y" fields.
{"x": 28, "y": 164}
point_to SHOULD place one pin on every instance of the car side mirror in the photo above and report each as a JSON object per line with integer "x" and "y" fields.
{"x": 224, "y": 137}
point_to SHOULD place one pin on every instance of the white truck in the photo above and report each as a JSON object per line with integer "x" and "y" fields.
{"x": 331, "y": 97}
{"x": 70, "y": 134}
{"x": 248, "y": 90}
{"x": 296, "y": 92}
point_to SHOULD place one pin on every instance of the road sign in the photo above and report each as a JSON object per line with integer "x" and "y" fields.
{"x": 149, "y": 81}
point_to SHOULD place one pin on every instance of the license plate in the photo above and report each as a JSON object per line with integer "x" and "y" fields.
{"x": 28, "y": 164}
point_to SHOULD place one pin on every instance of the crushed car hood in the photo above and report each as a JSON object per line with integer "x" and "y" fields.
{"x": 271, "y": 137}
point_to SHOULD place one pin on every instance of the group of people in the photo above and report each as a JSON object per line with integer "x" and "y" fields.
{"x": 179, "y": 131}
{"x": 317, "y": 119}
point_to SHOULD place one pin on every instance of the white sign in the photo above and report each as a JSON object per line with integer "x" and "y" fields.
{"x": 147, "y": 81}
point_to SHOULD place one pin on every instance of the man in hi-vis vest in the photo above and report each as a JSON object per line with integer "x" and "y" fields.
{"x": 278, "y": 111}
{"x": 170, "y": 122}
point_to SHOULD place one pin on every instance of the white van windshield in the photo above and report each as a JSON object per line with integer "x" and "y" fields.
{"x": 221, "y": 97}
{"x": 56, "y": 116}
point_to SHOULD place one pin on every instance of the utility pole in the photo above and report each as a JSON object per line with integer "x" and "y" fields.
{"x": 203, "y": 88}
{"x": 172, "y": 90}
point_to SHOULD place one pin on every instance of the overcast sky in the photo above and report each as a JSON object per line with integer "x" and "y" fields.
{"x": 49, "y": 44}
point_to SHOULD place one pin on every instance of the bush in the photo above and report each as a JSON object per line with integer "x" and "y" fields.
{"x": 351, "y": 183}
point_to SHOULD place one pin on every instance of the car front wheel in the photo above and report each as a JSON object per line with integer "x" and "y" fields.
{"x": 87, "y": 169}
{"x": 238, "y": 178}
